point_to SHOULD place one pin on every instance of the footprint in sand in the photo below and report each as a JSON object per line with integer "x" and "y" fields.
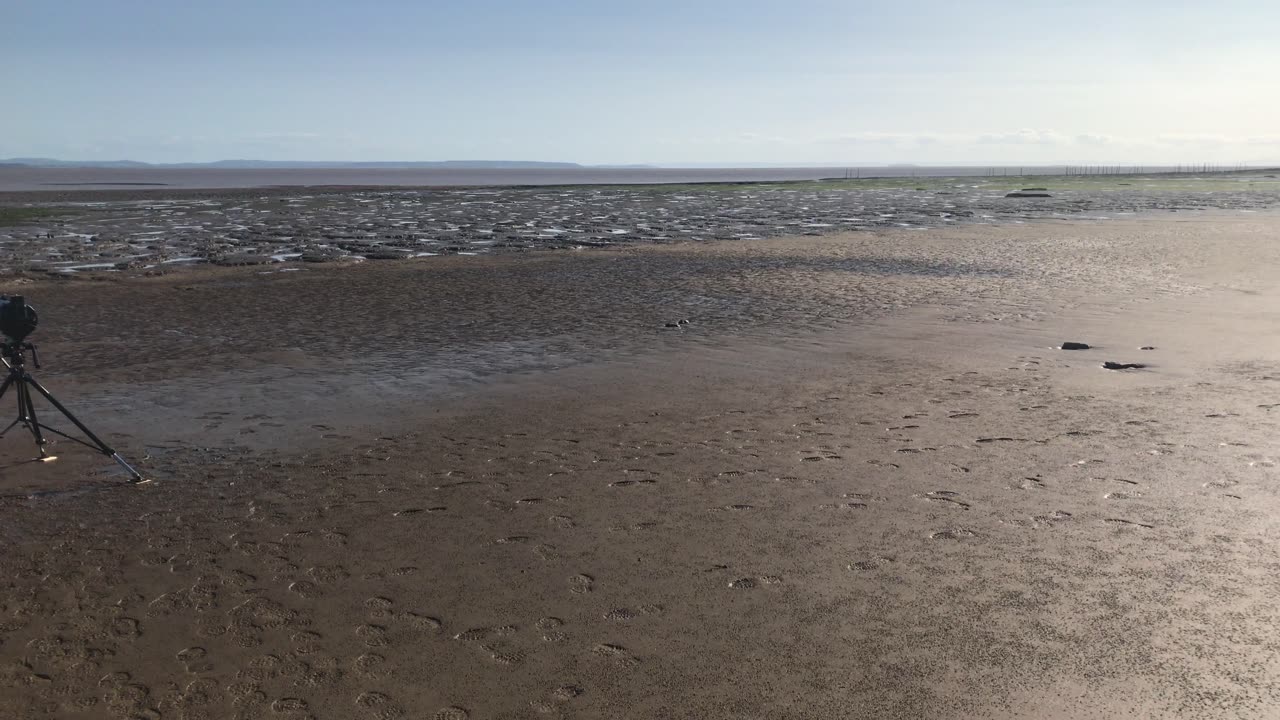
{"x": 409, "y": 512}
{"x": 373, "y": 635}
{"x": 379, "y": 607}
{"x": 864, "y": 497}
{"x": 843, "y": 506}
{"x": 451, "y": 713}
{"x": 1122, "y": 521}
{"x": 946, "y": 496}
{"x": 617, "y": 653}
{"x": 870, "y": 563}
{"x": 504, "y": 657}
{"x": 194, "y": 660}
{"x": 333, "y": 537}
{"x": 551, "y": 628}
{"x": 474, "y": 634}
{"x": 749, "y": 583}
{"x": 289, "y": 706}
{"x": 306, "y": 589}
{"x": 581, "y": 583}
{"x": 370, "y": 665}
{"x": 379, "y": 704}
{"x": 1122, "y": 495}
{"x": 305, "y": 642}
{"x": 425, "y": 623}
{"x": 556, "y": 698}
{"x": 953, "y": 534}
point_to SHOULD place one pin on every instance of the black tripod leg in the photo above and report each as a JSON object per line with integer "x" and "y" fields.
{"x": 106, "y": 449}
{"x": 27, "y": 412}
{"x": 3, "y": 388}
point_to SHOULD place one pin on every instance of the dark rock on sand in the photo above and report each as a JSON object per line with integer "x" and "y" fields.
{"x": 1074, "y": 346}
{"x": 1028, "y": 194}
{"x": 1122, "y": 366}
{"x": 1146, "y": 347}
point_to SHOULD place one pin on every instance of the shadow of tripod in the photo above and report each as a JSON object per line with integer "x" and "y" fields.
{"x": 13, "y": 355}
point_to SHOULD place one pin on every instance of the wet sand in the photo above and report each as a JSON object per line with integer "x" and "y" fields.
{"x": 860, "y": 482}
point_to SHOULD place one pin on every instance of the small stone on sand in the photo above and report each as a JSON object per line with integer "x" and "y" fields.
{"x": 1122, "y": 366}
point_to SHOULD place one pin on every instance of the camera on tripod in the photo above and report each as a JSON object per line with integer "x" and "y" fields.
{"x": 17, "y": 318}
{"x": 17, "y": 321}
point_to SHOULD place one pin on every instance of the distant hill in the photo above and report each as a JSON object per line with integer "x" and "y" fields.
{"x": 292, "y": 164}
{"x": 50, "y": 162}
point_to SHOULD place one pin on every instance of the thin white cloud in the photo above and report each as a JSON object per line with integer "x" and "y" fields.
{"x": 1193, "y": 139}
{"x": 880, "y": 138}
{"x": 1022, "y": 137}
{"x": 1026, "y": 136}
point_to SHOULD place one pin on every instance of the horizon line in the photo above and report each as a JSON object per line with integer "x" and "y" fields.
{"x": 56, "y": 163}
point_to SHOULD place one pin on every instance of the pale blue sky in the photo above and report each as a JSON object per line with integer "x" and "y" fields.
{"x": 656, "y": 81}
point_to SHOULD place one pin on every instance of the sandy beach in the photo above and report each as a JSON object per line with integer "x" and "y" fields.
{"x": 859, "y": 482}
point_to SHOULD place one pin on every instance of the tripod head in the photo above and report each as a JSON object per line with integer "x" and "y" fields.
{"x": 14, "y": 353}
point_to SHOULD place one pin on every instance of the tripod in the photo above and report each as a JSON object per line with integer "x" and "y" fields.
{"x": 14, "y": 357}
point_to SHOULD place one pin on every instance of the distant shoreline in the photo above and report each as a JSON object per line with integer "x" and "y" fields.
{"x": 41, "y": 184}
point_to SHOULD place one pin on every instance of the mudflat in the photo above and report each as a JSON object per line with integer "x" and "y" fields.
{"x": 860, "y": 481}
{"x": 165, "y": 230}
